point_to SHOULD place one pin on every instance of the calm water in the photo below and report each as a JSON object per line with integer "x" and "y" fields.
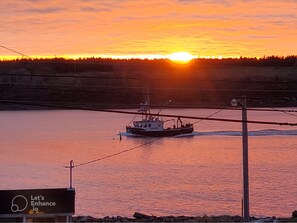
{"x": 194, "y": 175}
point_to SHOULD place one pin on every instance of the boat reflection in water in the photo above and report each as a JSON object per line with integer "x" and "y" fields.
{"x": 153, "y": 125}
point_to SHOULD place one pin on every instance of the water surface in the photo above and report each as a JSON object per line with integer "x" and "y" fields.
{"x": 196, "y": 175}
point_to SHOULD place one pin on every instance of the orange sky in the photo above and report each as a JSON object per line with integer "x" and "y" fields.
{"x": 251, "y": 28}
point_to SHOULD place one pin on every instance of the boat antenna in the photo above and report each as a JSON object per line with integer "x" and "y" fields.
{"x": 166, "y": 103}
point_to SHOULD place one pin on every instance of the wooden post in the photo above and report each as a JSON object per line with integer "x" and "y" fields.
{"x": 71, "y": 167}
{"x": 246, "y": 211}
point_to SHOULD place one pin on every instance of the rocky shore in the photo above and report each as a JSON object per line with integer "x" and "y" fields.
{"x": 139, "y": 217}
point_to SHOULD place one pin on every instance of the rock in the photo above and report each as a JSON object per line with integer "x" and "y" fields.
{"x": 237, "y": 218}
{"x": 87, "y": 219}
{"x": 138, "y": 215}
{"x": 77, "y": 218}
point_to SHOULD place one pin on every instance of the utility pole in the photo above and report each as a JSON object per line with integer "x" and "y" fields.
{"x": 245, "y": 158}
{"x": 71, "y": 168}
{"x": 246, "y": 203}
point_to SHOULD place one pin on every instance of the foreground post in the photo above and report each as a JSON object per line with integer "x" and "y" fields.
{"x": 246, "y": 205}
{"x": 245, "y": 159}
{"x": 71, "y": 167}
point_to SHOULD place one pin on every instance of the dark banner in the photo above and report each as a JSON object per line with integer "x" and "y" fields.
{"x": 39, "y": 201}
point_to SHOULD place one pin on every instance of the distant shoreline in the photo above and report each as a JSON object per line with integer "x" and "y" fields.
{"x": 124, "y": 84}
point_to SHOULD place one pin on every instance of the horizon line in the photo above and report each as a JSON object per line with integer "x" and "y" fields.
{"x": 126, "y": 57}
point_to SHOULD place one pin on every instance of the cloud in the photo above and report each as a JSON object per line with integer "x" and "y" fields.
{"x": 216, "y": 2}
{"x": 153, "y": 17}
{"x": 271, "y": 16}
{"x": 93, "y": 9}
{"x": 43, "y": 10}
{"x": 250, "y": 27}
{"x": 261, "y": 37}
{"x": 209, "y": 17}
{"x": 37, "y": 1}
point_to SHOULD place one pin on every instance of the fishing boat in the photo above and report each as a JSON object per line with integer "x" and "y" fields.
{"x": 153, "y": 126}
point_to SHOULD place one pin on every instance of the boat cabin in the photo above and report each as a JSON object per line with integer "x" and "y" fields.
{"x": 149, "y": 125}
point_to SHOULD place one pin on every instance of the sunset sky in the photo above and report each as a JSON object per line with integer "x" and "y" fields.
{"x": 148, "y": 28}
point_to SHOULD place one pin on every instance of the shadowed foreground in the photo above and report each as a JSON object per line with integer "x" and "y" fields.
{"x": 139, "y": 217}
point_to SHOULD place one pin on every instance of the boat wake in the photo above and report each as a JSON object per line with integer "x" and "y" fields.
{"x": 265, "y": 132}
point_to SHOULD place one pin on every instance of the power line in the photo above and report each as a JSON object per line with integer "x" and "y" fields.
{"x": 150, "y": 142}
{"x": 133, "y": 148}
{"x": 223, "y": 108}
{"x": 146, "y": 79}
{"x": 24, "y": 55}
{"x": 216, "y": 112}
{"x": 154, "y": 114}
{"x": 175, "y": 106}
{"x": 128, "y": 150}
{"x": 163, "y": 89}
{"x": 72, "y": 76}
{"x": 285, "y": 112}
{"x": 114, "y": 90}
{"x": 210, "y": 119}
{"x": 115, "y": 154}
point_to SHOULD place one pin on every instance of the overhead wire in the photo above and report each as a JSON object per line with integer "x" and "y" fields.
{"x": 12, "y": 50}
{"x": 150, "y": 142}
{"x": 115, "y": 154}
{"x": 285, "y": 112}
{"x": 133, "y": 148}
{"x": 149, "y": 79}
{"x": 162, "y": 89}
{"x": 175, "y": 106}
{"x": 126, "y": 150}
{"x": 147, "y": 143}
{"x": 120, "y": 90}
{"x": 130, "y": 149}
{"x": 109, "y": 86}
{"x": 212, "y": 114}
{"x": 111, "y": 104}
{"x": 72, "y": 76}
{"x": 154, "y": 114}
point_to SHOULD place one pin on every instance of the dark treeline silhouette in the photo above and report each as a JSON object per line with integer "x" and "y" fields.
{"x": 289, "y": 60}
{"x": 271, "y": 61}
{"x": 99, "y": 64}
{"x": 62, "y": 65}
{"x": 268, "y": 81}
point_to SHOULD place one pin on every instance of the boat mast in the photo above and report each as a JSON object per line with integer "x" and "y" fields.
{"x": 147, "y": 105}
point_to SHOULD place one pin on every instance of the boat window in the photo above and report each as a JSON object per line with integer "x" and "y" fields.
{"x": 140, "y": 125}
{"x": 145, "y": 125}
{"x": 149, "y": 125}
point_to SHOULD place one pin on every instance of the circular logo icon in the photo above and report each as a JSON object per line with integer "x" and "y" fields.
{"x": 19, "y": 203}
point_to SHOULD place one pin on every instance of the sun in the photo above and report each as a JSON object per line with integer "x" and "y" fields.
{"x": 181, "y": 57}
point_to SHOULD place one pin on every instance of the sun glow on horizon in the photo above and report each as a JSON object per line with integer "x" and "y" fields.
{"x": 181, "y": 57}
